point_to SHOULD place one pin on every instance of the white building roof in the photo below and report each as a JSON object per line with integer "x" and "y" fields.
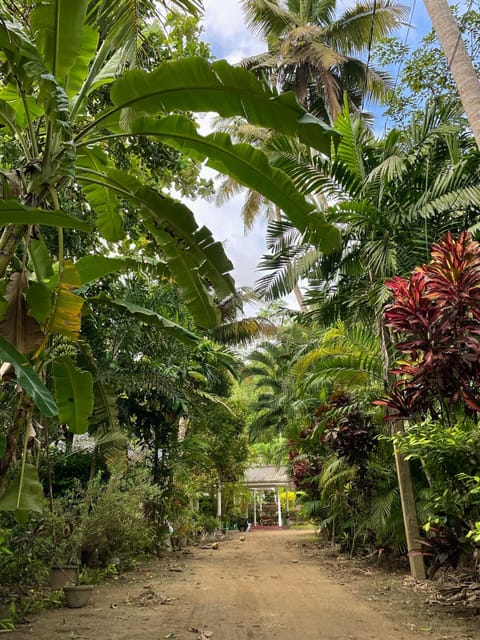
{"x": 266, "y": 477}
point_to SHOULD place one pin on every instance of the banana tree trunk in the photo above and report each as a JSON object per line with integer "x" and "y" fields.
{"x": 459, "y": 61}
{"x": 11, "y": 237}
{"x": 14, "y": 432}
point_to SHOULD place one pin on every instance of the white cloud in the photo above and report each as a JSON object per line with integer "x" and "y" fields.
{"x": 226, "y": 31}
{"x": 226, "y": 225}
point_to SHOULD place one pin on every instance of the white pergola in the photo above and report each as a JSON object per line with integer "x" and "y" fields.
{"x": 264, "y": 478}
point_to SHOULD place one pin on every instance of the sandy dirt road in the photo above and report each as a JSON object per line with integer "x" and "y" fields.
{"x": 265, "y": 588}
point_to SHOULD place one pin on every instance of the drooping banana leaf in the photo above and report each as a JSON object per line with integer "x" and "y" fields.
{"x": 193, "y": 84}
{"x": 12, "y": 212}
{"x": 148, "y": 317}
{"x": 24, "y": 493}
{"x": 74, "y": 394}
{"x": 28, "y": 379}
{"x": 244, "y": 163}
{"x": 193, "y": 257}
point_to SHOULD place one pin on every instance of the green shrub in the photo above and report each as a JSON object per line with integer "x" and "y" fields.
{"x": 114, "y": 523}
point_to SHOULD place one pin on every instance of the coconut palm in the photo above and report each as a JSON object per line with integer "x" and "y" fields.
{"x": 312, "y": 52}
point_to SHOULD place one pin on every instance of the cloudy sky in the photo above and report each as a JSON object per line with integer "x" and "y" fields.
{"x": 229, "y": 38}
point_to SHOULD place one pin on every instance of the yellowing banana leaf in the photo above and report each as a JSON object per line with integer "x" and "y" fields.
{"x": 67, "y": 313}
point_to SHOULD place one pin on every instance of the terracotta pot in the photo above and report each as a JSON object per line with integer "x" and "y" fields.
{"x": 60, "y": 575}
{"x": 76, "y": 596}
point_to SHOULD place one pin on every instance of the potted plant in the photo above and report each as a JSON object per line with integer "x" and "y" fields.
{"x": 77, "y": 595}
{"x": 67, "y": 537}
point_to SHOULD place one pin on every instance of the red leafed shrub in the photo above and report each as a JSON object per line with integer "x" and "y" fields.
{"x": 436, "y": 316}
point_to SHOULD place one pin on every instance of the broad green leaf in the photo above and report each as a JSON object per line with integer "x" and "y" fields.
{"x": 92, "y": 268}
{"x": 12, "y": 212}
{"x": 204, "y": 253}
{"x": 8, "y": 115}
{"x": 12, "y": 105}
{"x": 244, "y": 163}
{"x": 28, "y": 378}
{"x": 40, "y": 257}
{"x": 39, "y": 300}
{"x": 74, "y": 394}
{"x": 193, "y": 84}
{"x": 104, "y": 201}
{"x": 82, "y": 62}
{"x": 28, "y": 496}
{"x": 148, "y": 317}
{"x": 59, "y": 28}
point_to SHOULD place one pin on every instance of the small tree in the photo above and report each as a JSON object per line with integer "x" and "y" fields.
{"x": 436, "y": 315}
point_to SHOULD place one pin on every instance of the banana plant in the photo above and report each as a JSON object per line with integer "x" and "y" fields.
{"x": 53, "y": 60}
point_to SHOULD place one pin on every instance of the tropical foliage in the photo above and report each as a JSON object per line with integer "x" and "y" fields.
{"x": 130, "y": 390}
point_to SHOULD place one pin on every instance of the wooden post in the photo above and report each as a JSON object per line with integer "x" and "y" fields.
{"x": 254, "y": 507}
{"x": 409, "y": 510}
{"x": 219, "y": 500}
{"x": 287, "y": 508}
{"x": 279, "y": 506}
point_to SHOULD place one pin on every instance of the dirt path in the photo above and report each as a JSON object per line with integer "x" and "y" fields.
{"x": 266, "y": 588}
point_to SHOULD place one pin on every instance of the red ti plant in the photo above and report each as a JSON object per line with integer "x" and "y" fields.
{"x": 435, "y": 314}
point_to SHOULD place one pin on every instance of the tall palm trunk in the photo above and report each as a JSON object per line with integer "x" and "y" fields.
{"x": 458, "y": 60}
{"x": 301, "y": 84}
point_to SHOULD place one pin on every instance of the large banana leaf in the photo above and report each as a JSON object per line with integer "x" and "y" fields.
{"x": 40, "y": 258}
{"x": 193, "y": 84}
{"x": 13, "y": 212}
{"x": 59, "y": 27}
{"x": 28, "y": 379}
{"x": 244, "y": 163}
{"x": 148, "y": 317}
{"x": 92, "y": 268}
{"x": 74, "y": 394}
{"x": 103, "y": 200}
{"x": 193, "y": 257}
{"x": 24, "y": 492}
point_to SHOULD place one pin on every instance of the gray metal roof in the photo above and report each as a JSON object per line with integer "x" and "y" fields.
{"x": 266, "y": 476}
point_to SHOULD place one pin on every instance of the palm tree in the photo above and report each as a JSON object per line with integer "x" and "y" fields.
{"x": 459, "y": 61}
{"x": 391, "y": 198}
{"x": 312, "y": 53}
